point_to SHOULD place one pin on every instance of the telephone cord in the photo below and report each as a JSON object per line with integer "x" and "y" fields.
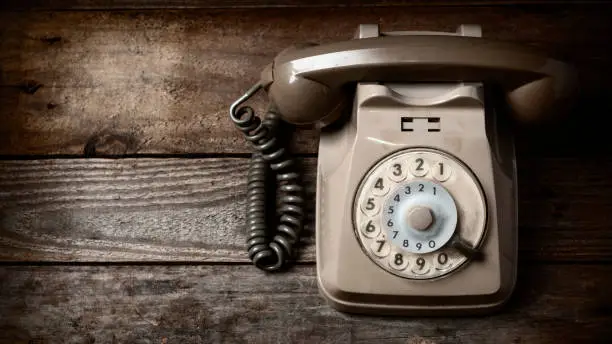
{"x": 268, "y": 248}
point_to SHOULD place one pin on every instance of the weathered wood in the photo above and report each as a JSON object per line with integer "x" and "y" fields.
{"x": 238, "y": 304}
{"x": 214, "y": 4}
{"x": 161, "y": 81}
{"x": 191, "y": 210}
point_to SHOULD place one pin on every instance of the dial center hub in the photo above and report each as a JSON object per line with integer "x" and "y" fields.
{"x": 420, "y": 218}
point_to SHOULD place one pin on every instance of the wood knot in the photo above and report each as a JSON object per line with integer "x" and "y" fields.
{"x": 105, "y": 144}
{"x": 50, "y": 40}
{"x": 30, "y": 86}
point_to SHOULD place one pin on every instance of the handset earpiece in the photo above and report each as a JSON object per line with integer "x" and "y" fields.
{"x": 302, "y": 101}
{"x": 541, "y": 100}
{"x": 308, "y": 84}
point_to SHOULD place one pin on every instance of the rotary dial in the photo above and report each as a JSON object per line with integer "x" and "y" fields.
{"x": 419, "y": 213}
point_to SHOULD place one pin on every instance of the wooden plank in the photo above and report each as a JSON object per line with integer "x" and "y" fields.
{"x": 192, "y": 210}
{"x": 237, "y": 304}
{"x": 160, "y": 82}
{"x": 214, "y": 4}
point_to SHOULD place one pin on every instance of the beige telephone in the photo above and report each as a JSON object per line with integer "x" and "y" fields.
{"x": 416, "y": 183}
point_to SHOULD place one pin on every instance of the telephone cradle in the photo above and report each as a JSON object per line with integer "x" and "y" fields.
{"x": 416, "y": 195}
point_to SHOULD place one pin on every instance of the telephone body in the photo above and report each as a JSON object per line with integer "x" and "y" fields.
{"x": 416, "y": 198}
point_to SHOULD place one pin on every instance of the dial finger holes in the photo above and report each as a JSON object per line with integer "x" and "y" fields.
{"x": 420, "y": 266}
{"x": 398, "y": 261}
{"x": 441, "y": 171}
{"x": 442, "y": 260}
{"x": 380, "y": 247}
{"x": 381, "y": 186}
{"x": 370, "y": 228}
{"x": 397, "y": 171}
{"x": 370, "y": 206}
{"x": 418, "y": 166}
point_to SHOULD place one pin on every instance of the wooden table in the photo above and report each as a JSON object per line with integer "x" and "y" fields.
{"x": 122, "y": 181}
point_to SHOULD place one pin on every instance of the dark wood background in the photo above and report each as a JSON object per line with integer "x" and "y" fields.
{"x": 122, "y": 180}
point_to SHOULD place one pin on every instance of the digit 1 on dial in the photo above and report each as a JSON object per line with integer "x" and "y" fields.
{"x": 441, "y": 171}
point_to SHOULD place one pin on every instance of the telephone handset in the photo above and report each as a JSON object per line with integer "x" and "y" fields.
{"x": 416, "y": 190}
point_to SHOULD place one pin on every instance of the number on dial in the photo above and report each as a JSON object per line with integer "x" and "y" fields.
{"x": 398, "y": 261}
{"x": 370, "y": 229}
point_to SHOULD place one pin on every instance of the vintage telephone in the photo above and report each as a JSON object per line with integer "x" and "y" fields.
{"x": 416, "y": 183}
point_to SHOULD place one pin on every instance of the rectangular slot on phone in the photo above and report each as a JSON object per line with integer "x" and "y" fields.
{"x": 432, "y": 124}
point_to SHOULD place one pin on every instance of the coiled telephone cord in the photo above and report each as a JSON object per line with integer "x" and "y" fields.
{"x": 269, "y": 249}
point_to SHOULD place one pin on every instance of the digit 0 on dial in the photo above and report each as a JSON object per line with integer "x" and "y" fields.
{"x": 417, "y": 201}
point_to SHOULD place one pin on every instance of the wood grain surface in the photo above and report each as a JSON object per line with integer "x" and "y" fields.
{"x": 192, "y": 210}
{"x": 214, "y": 4}
{"x": 238, "y": 304}
{"x": 160, "y": 82}
{"x": 149, "y": 248}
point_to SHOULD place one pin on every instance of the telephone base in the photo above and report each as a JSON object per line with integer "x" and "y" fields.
{"x": 381, "y": 168}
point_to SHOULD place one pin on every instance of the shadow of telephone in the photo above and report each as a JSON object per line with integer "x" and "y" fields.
{"x": 416, "y": 191}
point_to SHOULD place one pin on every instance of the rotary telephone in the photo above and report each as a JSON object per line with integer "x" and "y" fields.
{"x": 416, "y": 204}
